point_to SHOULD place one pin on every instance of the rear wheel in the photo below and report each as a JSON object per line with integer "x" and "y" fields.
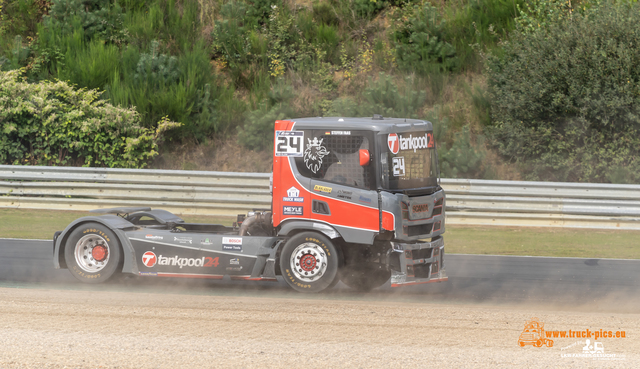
{"x": 364, "y": 276}
{"x": 309, "y": 262}
{"x": 92, "y": 253}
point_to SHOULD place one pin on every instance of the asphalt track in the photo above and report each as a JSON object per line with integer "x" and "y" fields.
{"x": 590, "y": 284}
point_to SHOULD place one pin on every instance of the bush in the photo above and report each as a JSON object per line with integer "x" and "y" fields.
{"x": 420, "y": 40}
{"x": 565, "y": 99}
{"x": 462, "y": 159}
{"x": 51, "y": 123}
{"x": 480, "y": 24}
{"x": 257, "y": 133}
{"x": 98, "y": 18}
{"x": 383, "y": 96}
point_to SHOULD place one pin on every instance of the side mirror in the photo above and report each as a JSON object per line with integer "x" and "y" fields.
{"x": 365, "y": 158}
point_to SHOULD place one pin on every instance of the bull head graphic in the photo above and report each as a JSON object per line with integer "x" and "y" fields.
{"x": 314, "y": 153}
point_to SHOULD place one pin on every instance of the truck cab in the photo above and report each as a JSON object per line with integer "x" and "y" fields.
{"x": 371, "y": 186}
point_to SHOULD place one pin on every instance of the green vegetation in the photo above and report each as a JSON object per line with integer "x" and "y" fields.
{"x": 51, "y": 123}
{"x": 42, "y": 224}
{"x": 517, "y": 89}
{"x": 556, "y": 242}
{"x": 19, "y": 223}
{"x": 565, "y": 96}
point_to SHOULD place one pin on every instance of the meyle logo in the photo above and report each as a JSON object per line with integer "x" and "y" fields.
{"x": 420, "y": 208}
{"x": 293, "y": 195}
{"x": 292, "y": 210}
{"x": 181, "y": 262}
{"x": 152, "y": 237}
{"x": 234, "y": 261}
{"x": 232, "y": 243}
{"x": 149, "y": 259}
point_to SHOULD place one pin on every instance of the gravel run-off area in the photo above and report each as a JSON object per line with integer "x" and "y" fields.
{"x": 42, "y": 328}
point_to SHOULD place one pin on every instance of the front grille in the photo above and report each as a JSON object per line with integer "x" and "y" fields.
{"x": 421, "y": 271}
{"x": 436, "y": 265}
{"x": 437, "y": 211}
{"x": 422, "y": 253}
{"x": 417, "y": 230}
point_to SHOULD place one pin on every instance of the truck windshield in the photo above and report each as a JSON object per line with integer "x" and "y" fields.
{"x": 409, "y": 161}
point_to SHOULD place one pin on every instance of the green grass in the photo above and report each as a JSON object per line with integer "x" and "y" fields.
{"x": 560, "y": 242}
{"x": 41, "y": 224}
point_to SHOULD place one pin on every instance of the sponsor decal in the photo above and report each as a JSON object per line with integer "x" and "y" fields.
{"x": 149, "y": 274}
{"x": 235, "y": 268}
{"x": 149, "y": 259}
{"x": 392, "y": 142}
{"x": 402, "y": 142}
{"x": 183, "y": 240}
{"x": 322, "y": 189}
{"x": 338, "y": 133}
{"x": 153, "y": 237}
{"x": 365, "y": 199}
{"x": 398, "y": 166}
{"x": 289, "y": 143}
{"x": 206, "y": 241}
{"x": 420, "y": 208}
{"x": 190, "y": 262}
{"x": 292, "y": 210}
{"x": 343, "y": 194}
{"x": 232, "y": 243}
{"x": 293, "y": 195}
{"x": 234, "y": 261}
{"x": 314, "y": 153}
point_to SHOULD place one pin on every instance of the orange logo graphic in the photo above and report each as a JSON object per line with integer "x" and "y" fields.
{"x": 533, "y": 334}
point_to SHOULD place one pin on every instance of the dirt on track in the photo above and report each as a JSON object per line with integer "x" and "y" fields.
{"x": 110, "y": 329}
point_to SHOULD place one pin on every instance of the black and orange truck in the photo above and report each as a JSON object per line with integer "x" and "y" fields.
{"x": 355, "y": 200}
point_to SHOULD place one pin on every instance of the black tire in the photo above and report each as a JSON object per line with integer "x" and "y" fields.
{"x": 92, "y": 253}
{"x": 364, "y": 277}
{"x": 310, "y": 262}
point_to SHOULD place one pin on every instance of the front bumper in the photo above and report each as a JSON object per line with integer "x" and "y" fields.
{"x": 416, "y": 263}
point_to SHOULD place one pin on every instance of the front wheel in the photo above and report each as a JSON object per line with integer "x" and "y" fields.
{"x": 92, "y": 253}
{"x": 309, "y": 262}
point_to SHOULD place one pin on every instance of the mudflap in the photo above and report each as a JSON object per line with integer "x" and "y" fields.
{"x": 417, "y": 263}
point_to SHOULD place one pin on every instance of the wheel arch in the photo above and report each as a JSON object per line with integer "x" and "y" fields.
{"x": 114, "y": 223}
{"x": 292, "y": 227}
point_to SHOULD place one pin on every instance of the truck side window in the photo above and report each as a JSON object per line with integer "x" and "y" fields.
{"x": 335, "y": 158}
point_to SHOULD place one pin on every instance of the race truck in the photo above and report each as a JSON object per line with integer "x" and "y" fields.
{"x": 355, "y": 200}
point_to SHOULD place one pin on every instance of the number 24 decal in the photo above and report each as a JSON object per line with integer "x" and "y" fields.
{"x": 211, "y": 262}
{"x": 289, "y": 143}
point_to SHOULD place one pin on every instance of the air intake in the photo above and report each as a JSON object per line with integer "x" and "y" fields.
{"x": 320, "y": 207}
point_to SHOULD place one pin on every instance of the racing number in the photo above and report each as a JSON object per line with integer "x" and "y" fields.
{"x": 398, "y": 166}
{"x": 211, "y": 262}
{"x": 289, "y": 143}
